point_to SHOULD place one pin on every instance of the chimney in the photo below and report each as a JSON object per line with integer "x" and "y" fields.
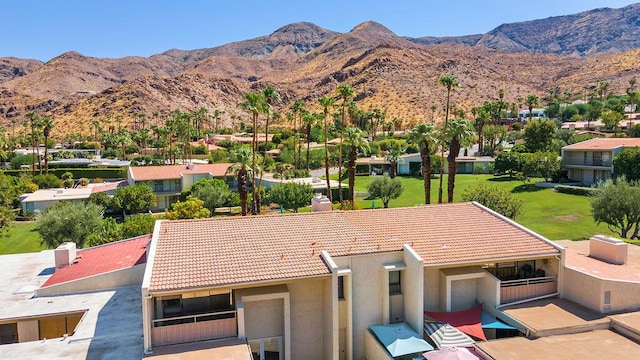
{"x": 320, "y": 203}
{"x": 608, "y": 249}
{"x": 65, "y": 254}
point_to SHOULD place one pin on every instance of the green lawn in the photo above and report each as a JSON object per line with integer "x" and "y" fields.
{"x": 554, "y": 215}
{"x": 21, "y": 238}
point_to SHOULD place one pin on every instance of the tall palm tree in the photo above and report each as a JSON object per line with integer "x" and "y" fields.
{"x": 297, "y": 108}
{"x": 531, "y": 101}
{"x": 354, "y": 139}
{"x": 35, "y": 122}
{"x": 309, "y": 119}
{"x": 327, "y": 103}
{"x": 242, "y": 169}
{"x": 434, "y": 107}
{"x": 47, "y": 125}
{"x": 270, "y": 96}
{"x": 448, "y": 81}
{"x": 379, "y": 116}
{"x": 458, "y": 131}
{"x": 481, "y": 116}
{"x": 254, "y": 103}
{"x": 424, "y": 135}
{"x": 346, "y": 94}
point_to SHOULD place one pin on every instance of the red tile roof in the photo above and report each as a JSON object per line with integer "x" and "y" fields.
{"x": 141, "y": 173}
{"x": 102, "y": 259}
{"x": 218, "y": 252}
{"x": 604, "y": 144}
{"x": 108, "y": 186}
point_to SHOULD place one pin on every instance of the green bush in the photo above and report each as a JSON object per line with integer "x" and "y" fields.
{"x": 20, "y": 160}
{"x": 575, "y": 190}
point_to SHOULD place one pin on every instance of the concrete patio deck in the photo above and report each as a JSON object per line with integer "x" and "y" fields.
{"x": 228, "y": 349}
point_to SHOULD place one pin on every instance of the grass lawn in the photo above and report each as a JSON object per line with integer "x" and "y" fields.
{"x": 553, "y": 215}
{"x": 21, "y": 238}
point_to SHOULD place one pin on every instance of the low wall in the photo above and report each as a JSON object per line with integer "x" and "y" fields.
{"x": 589, "y": 291}
{"x": 114, "y": 279}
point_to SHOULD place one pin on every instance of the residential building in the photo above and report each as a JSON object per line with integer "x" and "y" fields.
{"x": 309, "y": 286}
{"x": 537, "y": 113}
{"x": 168, "y": 181}
{"x": 410, "y": 164}
{"x": 591, "y": 161}
{"x": 40, "y": 200}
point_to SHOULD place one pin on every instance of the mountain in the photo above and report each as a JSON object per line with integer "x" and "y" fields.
{"x": 304, "y": 61}
{"x": 587, "y": 33}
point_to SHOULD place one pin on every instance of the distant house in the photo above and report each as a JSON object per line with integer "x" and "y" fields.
{"x": 591, "y": 161}
{"x": 40, "y": 200}
{"x": 537, "y": 114}
{"x": 410, "y": 164}
{"x": 169, "y": 181}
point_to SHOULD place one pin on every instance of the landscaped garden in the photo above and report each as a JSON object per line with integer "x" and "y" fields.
{"x": 554, "y": 215}
{"x": 21, "y": 238}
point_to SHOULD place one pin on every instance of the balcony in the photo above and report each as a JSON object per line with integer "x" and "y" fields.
{"x": 171, "y": 189}
{"x": 516, "y": 290}
{"x": 190, "y": 328}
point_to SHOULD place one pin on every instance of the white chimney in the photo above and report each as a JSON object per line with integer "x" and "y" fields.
{"x": 321, "y": 203}
{"x": 608, "y": 249}
{"x": 65, "y": 254}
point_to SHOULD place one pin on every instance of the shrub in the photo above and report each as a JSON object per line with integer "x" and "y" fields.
{"x": 575, "y": 190}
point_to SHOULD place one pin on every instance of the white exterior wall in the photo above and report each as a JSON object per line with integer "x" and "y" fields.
{"x": 307, "y": 318}
{"x": 463, "y": 294}
{"x": 413, "y": 292}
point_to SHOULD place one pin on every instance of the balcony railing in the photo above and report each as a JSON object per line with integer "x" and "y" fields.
{"x": 586, "y": 162}
{"x": 516, "y": 290}
{"x": 190, "y": 328}
{"x": 166, "y": 189}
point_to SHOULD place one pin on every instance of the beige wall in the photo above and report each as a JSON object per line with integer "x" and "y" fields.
{"x": 374, "y": 350}
{"x": 124, "y": 277}
{"x": 413, "y": 292}
{"x": 589, "y": 291}
{"x": 463, "y": 294}
{"x": 307, "y": 318}
{"x": 264, "y": 318}
{"x": 431, "y": 289}
{"x": 28, "y": 330}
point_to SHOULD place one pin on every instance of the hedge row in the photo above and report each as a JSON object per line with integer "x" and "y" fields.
{"x": 575, "y": 190}
{"x": 89, "y": 173}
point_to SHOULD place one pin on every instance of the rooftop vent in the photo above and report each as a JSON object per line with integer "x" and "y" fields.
{"x": 320, "y": 203}
{"x": 608, "y": 249}
{"x": 189, "y": 166}
{"x": 65, "y": 254}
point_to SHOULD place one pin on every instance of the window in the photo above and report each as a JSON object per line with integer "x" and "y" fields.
{"x": 340, "y": 287}
{"x": 394, "y": 283}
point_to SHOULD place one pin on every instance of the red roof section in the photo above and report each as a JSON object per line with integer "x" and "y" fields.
{"x": 604, "y": 144}
{"x": 108, "y": 186}
{"x": 141, "y": 173}
{"x": 102, "y": 259}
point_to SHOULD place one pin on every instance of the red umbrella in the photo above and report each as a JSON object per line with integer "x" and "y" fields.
{"x": 450, "y": 353}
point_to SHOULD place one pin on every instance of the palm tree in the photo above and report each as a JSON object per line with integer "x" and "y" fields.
{"x": 458, "y": 131}
{"x": 379, "y": 116}
{"x": 393, "y": 156}
{"x": 309, "y": 120}
{"x": 531, "y": 101}
{"x": 434, "y": 107}
{"x": 35, "y": 121}
{"x": 354, "y": 139}
{"x": 254, "y": 103}
{"x": 47, "y": 125}
{"x": 270, "y": 96}
{"x": 424, "y": 135}
{"x": 346, "y": 93}
{"x": 297, "y": 108}
{"x": 327, "y": 103}
{"x": 242, "y": 169}
{"x": 449, "y": 82}
{"x": 481, "y": 116}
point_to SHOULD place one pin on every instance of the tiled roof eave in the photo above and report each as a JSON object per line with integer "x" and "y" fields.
{"x": 492, "y": 259}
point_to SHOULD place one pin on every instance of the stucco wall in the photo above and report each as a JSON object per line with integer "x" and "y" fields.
{"x": 28, "y": 330}
{"x": 307, "y": 318}
{"x": 375, "y": 350}
{"x": 114, "y": 279}
{"x": 431, "y": 289}
{"x": 368, "y": 293}
{"x": 463, "y": 294}
{"x": 589, "y": 291}
{"x": 413, "y": 293}
{"x": 264, "y": 318}
{"x": 327, "y": 316}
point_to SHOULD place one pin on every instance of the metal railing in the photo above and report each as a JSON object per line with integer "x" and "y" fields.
{"x": 529, "y": 281}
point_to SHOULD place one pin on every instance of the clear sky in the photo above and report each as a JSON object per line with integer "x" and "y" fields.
{"x": 43, "y": 29}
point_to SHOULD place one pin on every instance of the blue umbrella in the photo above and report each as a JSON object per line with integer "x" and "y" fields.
{"x": 399, "y": 339}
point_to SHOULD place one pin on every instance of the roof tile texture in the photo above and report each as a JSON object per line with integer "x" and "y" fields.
{"x": 218, "y": 252}
{"x": 604, "y": 144}
{"x": 141, "y": 173}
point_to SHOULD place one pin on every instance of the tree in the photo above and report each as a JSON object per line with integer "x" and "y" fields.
{"x": 545, "y": 164}
{"x": 449, "y": 82}
{"x": 538, "y": 135}
{"x": 425, "y": 137}
{"x": 611, "y": 119}
{"x": 458, "y": 131}
{"x": 214, "y": 192}
{"x": 298, "y": 109}
{"x": 531, "y": 101}
{"x": 309, "y": 120}
{"x": 495, "y": 198}
{"x": 393, "y": 156}
{"x": 385, "y": 188}
{"x": 346, "y": 93}
{"x": 137, "y": 225}
{"x": 493, "y": 136}
{"x": 49, "y": 181}
{"x": 291, "y": 195}
{"x": 255, "y": 104}
{"x": 68, "y": 222}
{"x": 47, "y": 125}
{"x": 100, "y": 198}
{"x": 508, "y": 162}
{"x": 108, "y": 231}
{"x": 327, "y": 103}
{"x": 242, "y": 169}
{"x": 354, "y": 140}
{"x": 271, "y": 97}
{"x": 617, "y": 204}
{"x": 627, "y": 164}
{"x": 192, "y": 208}
{"x": 134, "y": 199}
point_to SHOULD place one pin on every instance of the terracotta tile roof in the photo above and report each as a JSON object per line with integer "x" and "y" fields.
{"x": 108, "y": 186}
{"x": 218, "y": 252}
{"x": 141, "y": 173}
{"x": 102, "y": 259}
{"x": 604, "y": 144}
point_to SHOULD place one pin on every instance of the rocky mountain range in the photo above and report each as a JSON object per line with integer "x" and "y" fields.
{"x": 305, "y": 61}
